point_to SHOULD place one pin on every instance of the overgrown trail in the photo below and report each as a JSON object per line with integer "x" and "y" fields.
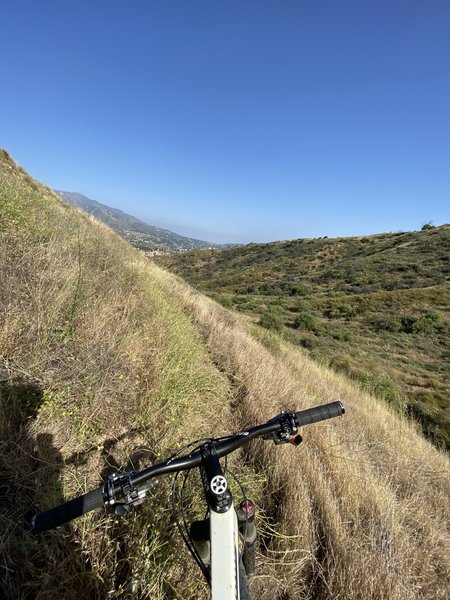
{"x": 361, "y": 508}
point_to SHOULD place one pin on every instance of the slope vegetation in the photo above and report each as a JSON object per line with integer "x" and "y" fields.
{"x": 375, "y": 308}
{"x": 103, "y": 354}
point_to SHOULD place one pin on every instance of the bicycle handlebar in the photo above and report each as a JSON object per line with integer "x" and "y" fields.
{"x": 106, "y": 494}
{"x": 319, "y": 413}
{"x": 69, "y": 510}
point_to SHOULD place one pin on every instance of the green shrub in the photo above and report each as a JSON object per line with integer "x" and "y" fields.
{"x": 388, "y": 323}
{"x": 300, "y": 289}
{"x": 340, "y": 311}
{"x": 342, "y": 335}
{"x": 271, "y": 321}
{"x": 306, "y": 321}
{"x": 308, "y": 342}
{"x": 428, "y": 323}
{"x": 301, "y": 306}
{"x": 382, "y": 386}
{"x": 224, "y": 300}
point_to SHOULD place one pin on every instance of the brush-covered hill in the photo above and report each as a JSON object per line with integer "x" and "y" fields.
{"x": 103, "y": 355}
{"x": 143, "y": 236}
{"x": 376, "y": 308}
{"x": 354, "y": 265}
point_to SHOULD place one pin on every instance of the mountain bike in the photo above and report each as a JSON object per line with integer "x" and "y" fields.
{"x": 214, "y": 540}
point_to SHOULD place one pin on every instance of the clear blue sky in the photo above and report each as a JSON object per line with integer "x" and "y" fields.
{"x": 235, "y": 120}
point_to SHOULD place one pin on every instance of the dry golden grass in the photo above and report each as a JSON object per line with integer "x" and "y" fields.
{"x": 102, "y": 352}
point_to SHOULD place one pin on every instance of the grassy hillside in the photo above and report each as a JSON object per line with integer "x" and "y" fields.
{"x": 376, "y": 308}
{"x": 102, "y": 353}
{"x": 343, "y": 265}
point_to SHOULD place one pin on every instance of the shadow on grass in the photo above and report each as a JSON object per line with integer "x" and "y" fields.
{"x": 52, "y": 565}
{"x": 49, "y": 565}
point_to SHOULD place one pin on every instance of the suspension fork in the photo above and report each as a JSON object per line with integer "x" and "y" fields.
{"x": 247, "y": 528}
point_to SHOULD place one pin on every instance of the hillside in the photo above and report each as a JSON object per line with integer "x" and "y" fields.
{"x": 376, "y": 308}
{"x": 102, "y": 353}
{"x": 141, "y": 235}
{"x": 304, "y": 267}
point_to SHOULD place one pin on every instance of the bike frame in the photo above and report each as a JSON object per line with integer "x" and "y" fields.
{"x": 224, "y": 555}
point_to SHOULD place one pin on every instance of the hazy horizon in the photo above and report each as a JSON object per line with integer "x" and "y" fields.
{"x": 199, "y": 235}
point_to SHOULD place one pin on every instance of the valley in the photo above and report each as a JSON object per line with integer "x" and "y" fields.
{"x": 375, "y": 308}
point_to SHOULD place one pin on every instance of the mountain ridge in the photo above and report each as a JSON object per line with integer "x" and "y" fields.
{"x": 141, "y": 235}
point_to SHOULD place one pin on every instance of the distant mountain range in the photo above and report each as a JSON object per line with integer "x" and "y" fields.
{"x": 141, "y": 235}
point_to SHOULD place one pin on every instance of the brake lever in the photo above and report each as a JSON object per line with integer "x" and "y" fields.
{"x": 288, "y": 434}
{"x": 123, "y": 495}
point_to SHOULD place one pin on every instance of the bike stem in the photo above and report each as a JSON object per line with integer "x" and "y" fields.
{"x": 218, "y": 496}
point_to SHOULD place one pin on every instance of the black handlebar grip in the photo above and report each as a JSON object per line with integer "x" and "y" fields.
{"x": 66, "y": 512}
{"x": 319, "y": 413}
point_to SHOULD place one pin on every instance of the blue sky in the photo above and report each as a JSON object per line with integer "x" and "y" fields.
{"x": 235, "y": 120}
